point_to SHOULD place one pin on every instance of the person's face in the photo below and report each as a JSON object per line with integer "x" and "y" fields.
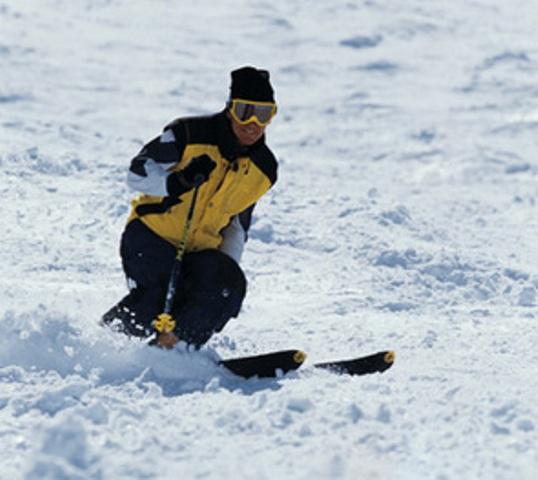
{"x": 248, "y": 134}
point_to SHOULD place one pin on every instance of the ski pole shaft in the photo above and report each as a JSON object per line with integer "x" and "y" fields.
{"x": 164, "y": 322}
{"x": 176, "y": 267}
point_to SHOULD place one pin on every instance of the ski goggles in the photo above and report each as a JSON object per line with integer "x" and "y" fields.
{"x": 246, "y": 111}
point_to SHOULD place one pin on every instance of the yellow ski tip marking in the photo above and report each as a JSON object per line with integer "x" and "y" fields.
{"x": 299, "y": 357}
{"x": 390, "y": 357}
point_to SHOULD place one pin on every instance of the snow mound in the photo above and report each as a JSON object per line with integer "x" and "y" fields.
{"x": 46, "y": 344}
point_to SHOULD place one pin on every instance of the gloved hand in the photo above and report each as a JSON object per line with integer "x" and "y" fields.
{"x": 195, "y": 173}
{"x": 198, "y": 170}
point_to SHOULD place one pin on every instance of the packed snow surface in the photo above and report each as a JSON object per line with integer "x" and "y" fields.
{"x": 405, "y": 217}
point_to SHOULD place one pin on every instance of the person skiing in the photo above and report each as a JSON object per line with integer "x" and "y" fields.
{"x": 217, "y": 167}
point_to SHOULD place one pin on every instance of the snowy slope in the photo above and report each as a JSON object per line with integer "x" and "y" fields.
{"x": 405, "y": 217}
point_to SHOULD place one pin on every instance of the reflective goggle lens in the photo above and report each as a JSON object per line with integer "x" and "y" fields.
{"x": 245, "y": 112}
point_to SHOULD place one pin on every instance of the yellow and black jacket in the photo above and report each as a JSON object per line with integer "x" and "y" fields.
{"x": 241, "y": 177}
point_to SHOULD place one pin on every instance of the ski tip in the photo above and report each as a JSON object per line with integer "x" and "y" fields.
{"x": 299, "y": 357}
{"x": 389, "y": 357}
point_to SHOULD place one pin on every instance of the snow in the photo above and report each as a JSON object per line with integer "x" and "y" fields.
{"x": 405, "y": 218}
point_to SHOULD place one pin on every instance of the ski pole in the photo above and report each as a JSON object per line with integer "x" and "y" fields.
{"x": 165, "y": 323}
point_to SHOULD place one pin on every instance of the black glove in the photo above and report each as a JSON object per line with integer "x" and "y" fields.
{"x": 198, "y": 170}
{"x": 195, "y": 173}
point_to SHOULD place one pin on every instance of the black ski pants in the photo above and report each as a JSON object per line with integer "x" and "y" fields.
{"x": 211, "y": 289}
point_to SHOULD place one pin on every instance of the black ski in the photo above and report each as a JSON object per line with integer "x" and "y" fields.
{"x": 266, "y": 365}
{"x": 270, "y": 365}
{"x": 378, "y": 362}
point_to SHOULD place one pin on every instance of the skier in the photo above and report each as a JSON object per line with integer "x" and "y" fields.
{"x": 225, "y": 159}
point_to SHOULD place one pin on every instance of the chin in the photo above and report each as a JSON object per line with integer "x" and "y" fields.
{"x": 249, "y": 141}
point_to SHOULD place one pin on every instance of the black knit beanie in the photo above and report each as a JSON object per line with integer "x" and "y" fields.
{"x": 249, "y": 83}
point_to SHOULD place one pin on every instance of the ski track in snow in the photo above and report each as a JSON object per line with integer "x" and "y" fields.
{"x": 405, "y": 217}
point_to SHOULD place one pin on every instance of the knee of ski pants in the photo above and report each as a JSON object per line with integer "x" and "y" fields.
{"x": 146, "y": 257}
{"x": 212, "y": 290}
